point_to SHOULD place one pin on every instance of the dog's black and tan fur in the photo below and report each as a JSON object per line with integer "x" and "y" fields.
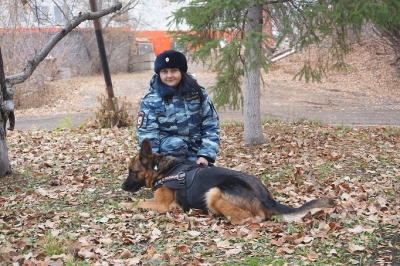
{"x": 239, "y": 196}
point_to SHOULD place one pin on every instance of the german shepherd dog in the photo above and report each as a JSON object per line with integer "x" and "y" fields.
{"x": 238, "y": 196}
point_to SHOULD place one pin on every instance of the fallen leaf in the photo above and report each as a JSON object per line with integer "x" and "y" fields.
{"x": 106, "y": 241}
{"x": 84, "y": 214}
{"x": 194, "y": 233}
{"x": 223, "y": 244}
{"x": 356, "y": 230}
{"x": 104, "y": 219}
{"x": 233, "y": 251}
{"x": 354, "y": 248}
{"x": 126, "y": 205}
{"x": 86, "y": 254}
{"x": 125, "y": 254}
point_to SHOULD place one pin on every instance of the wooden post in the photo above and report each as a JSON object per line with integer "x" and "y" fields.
{"x": 112, "y": 103}
{"x": 5, "y": 167}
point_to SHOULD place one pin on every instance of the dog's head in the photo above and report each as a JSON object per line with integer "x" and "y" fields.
{"x": 141, "y": 168}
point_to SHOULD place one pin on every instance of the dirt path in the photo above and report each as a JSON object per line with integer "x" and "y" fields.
{"x": 327, "y": 106}
{"x": 368, "y": 95}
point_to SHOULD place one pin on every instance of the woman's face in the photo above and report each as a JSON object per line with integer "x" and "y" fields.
{"x": 171, "y": 76}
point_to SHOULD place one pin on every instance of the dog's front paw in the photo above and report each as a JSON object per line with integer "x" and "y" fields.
{"x": 175, "y": 206}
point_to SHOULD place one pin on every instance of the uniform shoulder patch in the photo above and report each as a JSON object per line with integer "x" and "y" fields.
{"x": 140, "y": 118}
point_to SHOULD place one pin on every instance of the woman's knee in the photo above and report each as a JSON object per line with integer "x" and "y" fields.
{"x": 174, "y": 146}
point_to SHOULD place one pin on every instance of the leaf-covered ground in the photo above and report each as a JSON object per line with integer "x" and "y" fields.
{"x": 60, "y": 206}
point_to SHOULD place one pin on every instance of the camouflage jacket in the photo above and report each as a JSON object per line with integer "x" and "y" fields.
{"x": 164, "y": 113}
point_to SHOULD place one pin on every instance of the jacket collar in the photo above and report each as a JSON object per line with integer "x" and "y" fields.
{"x": 164, "y": 90}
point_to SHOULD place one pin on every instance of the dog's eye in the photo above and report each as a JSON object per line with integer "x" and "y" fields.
{"x": 131, "y": 171}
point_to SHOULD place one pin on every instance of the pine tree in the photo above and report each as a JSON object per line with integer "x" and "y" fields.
{"x": 305, "y": 23}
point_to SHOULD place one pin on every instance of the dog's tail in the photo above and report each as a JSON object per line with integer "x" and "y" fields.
{"x": 289, "y": 214}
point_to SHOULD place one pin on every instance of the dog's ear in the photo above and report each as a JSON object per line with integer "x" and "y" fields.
{"x": 146, "y": 147}
{"x": 145, "y": 153}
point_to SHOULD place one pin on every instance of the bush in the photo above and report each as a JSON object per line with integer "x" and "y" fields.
{"x": 103, "y": 115}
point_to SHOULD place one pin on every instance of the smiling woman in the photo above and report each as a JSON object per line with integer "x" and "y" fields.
{"x": 176, "y": 114}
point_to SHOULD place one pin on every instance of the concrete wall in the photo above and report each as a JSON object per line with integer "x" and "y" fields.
{"x": 140, "y": 62}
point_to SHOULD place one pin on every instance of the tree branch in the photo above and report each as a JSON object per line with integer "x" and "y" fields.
{"x": 32, "y": 64}
{"x": 127, "y": 7}
{"x": 276, "y": 2}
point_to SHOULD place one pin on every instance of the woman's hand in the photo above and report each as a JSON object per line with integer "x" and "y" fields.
{"x": 202, "y": 160}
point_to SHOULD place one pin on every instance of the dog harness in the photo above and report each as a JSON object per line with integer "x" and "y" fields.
{"x": 180, "y": 178}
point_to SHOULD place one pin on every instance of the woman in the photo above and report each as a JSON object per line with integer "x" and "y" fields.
{"x": 176, "y": 114}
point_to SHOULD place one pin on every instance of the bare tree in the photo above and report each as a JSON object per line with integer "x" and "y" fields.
{"x": 6, "y": 92}
{"x": 122, "y": 16}
{"x": 6, "y": 111}
{"x": 26, "y": 26}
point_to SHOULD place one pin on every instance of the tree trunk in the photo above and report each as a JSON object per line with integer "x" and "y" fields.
{"x": 4, "y": 161}
{"x": 252, "y": 78}
{"x": 5, "y": 167}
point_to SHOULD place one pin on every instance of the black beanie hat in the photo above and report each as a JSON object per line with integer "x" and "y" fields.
{"x": 170, "y": 59}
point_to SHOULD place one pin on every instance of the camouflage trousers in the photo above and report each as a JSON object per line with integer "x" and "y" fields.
{"x": 174, "y": 146}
